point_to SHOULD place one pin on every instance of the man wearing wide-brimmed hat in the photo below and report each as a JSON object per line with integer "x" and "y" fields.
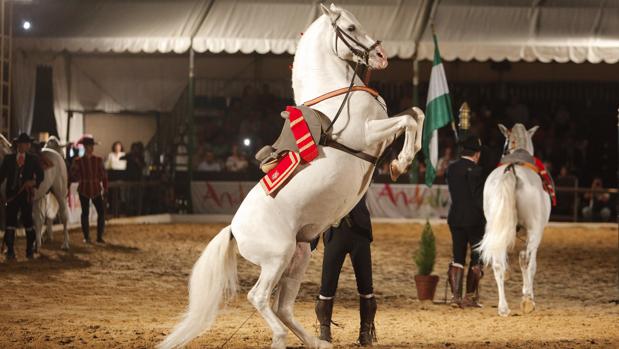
{"x": 23, "y": 174}
{"x": 466, "y": 221}
{"x": 89, "y": 172}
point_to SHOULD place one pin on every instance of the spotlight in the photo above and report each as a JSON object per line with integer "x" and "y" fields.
{"x": 26, "y": 25}
{"x": 247, "y": 142}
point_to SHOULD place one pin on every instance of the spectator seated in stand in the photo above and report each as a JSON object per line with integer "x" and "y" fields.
{"x": 209, "y": 163}
{"x": 236, "y": 162}
{"x": 598, "y": 206}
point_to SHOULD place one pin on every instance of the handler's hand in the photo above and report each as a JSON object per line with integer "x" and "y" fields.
{"x": 29, "y": 184}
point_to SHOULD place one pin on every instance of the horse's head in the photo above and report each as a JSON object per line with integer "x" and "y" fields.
{"x": 518, "y": 138}
{"x": 54, "y": 144}
{"x": 350, "y": 41}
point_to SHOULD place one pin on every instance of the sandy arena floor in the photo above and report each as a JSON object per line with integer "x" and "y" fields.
{"x": 128, "y": 293}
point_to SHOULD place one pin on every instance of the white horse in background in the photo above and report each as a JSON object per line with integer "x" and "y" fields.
{"x": 514, "y": 198}
{"x": 55, "y": 183}
{"x": 274, "y": 232}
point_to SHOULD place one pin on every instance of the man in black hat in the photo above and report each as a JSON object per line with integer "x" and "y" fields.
{"x": 89, "y": 172}
{"x": 466, "y": 221}
{"x": 351, "y": 237}
{"x": 23, "y": 174}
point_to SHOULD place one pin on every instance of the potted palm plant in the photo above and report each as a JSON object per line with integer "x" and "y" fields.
{"x": 425, "y": 257}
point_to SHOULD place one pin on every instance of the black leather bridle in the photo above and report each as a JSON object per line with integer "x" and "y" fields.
{"x": 363, "y": 53}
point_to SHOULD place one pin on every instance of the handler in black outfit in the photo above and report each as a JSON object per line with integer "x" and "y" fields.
{"x": 23, "y": 174}
{"x": 352, "y": 236}
{"x": 466, "y": 221}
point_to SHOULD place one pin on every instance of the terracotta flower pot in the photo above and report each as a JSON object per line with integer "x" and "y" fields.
{"x": 426, "y": 286}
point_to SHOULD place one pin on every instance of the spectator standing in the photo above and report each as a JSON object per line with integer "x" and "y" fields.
{"x": 89, "y": 172}
{"x": 115, "y": 162}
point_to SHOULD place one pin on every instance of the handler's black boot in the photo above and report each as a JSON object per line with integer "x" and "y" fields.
{"x": 455, "y": 277}
{"x": 9, "y": 240}
{"x": 367, "y": 330}
{"x": 30, "y": 240}
{"x": 324, "y": 311}
{"x": 471, "y": 299}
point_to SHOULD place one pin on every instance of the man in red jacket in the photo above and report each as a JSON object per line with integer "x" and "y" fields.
{"x": 89, "y": 172}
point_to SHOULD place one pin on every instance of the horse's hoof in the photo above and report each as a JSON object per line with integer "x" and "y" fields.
{"x": 65, "y": 247}
{"x": 394, "y": 171}
{"x": 279, "y": 342}
{"x": 317, "y": 343}
{"x": 527, "y": 305}
{"x": 504, "y": 312}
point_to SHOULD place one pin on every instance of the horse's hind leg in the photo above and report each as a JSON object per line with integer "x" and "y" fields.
{"x": 499, "y": 275}
{"x": 288, "y": 289}
{"x": 528, "y": 265}
{"x": 63, "y": 213}
{"x": 260, "y": 294}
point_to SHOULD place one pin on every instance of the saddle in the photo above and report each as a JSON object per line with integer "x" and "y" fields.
{"x": 523, "y": 158}
{"x": 316, "y": 122}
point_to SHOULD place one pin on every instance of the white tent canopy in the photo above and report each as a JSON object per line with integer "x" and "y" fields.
{"x": 530, "y": 30}
{"x": 109, "y": 26}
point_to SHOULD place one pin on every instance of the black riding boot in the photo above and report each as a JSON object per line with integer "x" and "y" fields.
{"x": 9, "y": 240}
{"x": 30, "y": 240}
{"x": 367, "y": 311}
{"x": 455, "y": 277}
{"x": 324, "y": 311}
{"x": 471, "y": 299}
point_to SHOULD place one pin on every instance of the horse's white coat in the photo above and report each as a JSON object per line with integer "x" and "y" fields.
{"x": 273, "y": 232}
{"x": 511, "y": 199}
{"x": 55, "y": 182}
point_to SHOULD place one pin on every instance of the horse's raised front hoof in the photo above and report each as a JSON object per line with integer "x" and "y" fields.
{"x": 394, "y": 171}
{"x": 504, "y": 312}
{"x": 527, "y": 305}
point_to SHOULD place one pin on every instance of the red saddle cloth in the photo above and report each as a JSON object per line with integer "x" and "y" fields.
{"x": 301, "y": 132}
{"x": 308, "y": 151}
{"x": 547, "y": 181}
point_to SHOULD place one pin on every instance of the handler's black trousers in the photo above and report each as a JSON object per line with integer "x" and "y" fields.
{"x": 344, "y": 241}
{"x": 462, "y": 238}
{"x": 20, "y": 204}
{"x": 98, "y": 202}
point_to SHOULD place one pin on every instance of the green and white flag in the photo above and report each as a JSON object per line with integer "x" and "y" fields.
{"x": 438, "y": 114}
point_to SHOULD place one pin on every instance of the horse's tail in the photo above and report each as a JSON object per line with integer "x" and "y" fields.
{"x": 213, "y": 281}
{"x": 502, "y": 219}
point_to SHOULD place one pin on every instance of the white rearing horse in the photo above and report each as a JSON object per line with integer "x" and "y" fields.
{"x": 273, "y": 232}
{"x": 514, "y": 197}
{"x": 56, "y": 182}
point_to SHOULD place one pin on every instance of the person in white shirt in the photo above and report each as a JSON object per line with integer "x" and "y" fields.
{"x": 236, "y": 162}
{"x": 115, "y": 159}
{"x": 209, "y": 164}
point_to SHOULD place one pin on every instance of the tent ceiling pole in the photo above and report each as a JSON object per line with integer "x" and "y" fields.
{"x": 190, "y": 107}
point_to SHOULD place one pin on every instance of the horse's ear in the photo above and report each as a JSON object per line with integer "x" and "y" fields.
{"x": 325, "y": 10}
{"x": 532, "y": 130}
{"x": 329, "y": 12}
{"x": 504, "y": 130}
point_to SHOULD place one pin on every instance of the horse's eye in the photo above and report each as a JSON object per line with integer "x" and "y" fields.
{"x": 351, "y": 28}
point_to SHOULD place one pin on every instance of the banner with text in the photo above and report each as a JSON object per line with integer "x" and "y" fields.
{"x": 384, "y": 200}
